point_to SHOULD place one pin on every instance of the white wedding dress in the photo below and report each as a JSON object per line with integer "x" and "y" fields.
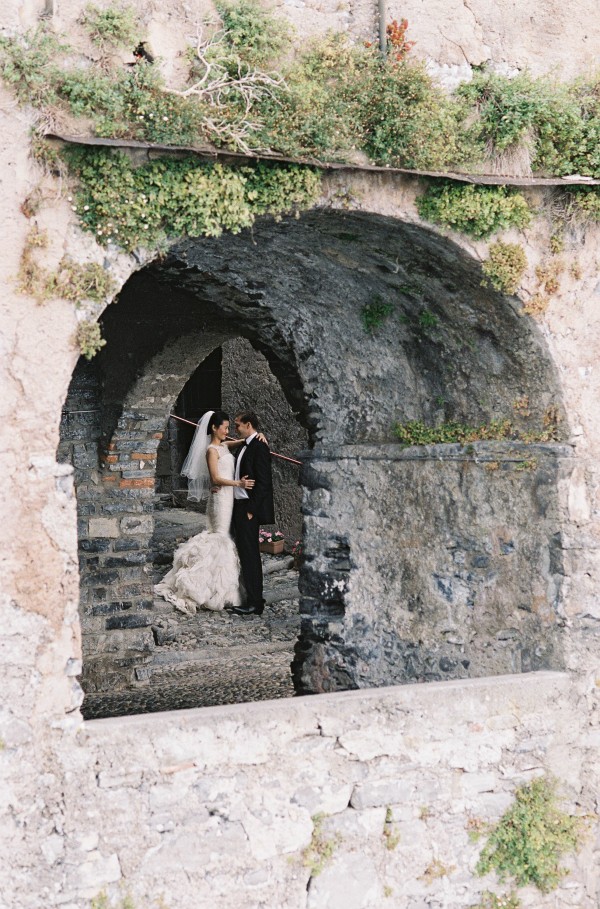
{"x": 206, "y": 568}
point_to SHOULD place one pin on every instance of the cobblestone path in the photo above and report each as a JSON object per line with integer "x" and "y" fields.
{"x": 215, "y": 657}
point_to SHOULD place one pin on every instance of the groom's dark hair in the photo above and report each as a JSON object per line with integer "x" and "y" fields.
{"x": 247, "y": 416}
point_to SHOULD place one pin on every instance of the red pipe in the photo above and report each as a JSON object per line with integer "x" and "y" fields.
{"x": 273, "y": 453}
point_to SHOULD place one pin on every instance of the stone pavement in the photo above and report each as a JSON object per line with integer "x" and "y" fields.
{"x": 215, "y": 657}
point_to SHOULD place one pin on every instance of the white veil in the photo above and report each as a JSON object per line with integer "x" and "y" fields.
{"x": 195, "y": 467}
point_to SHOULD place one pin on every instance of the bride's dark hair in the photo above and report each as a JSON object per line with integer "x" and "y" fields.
{"x": 217, "y": 419}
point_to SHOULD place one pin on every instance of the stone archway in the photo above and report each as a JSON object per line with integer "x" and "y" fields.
{"x": 428, "y": 563}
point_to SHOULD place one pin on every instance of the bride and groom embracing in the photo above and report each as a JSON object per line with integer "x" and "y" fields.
{"x": 206, "y": 568}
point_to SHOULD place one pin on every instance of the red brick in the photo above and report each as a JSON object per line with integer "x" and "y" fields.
{"x": 146, "y": 482}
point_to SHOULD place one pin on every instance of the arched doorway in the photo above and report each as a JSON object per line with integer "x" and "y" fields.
{"x": 432, "y": 562}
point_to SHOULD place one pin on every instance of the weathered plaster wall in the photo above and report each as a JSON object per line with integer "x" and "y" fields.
{"x": 223, "y": 800}
{"x": 48, "y": 775}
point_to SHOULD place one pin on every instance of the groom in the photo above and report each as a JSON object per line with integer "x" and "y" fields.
{"x": 251, "y": 508}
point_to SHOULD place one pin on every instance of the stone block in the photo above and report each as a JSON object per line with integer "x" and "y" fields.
{"x": 326, "y": 799}
{"x": 108, "y": 507}
{"x": 100, "y": 576}
{"x": 127, "y": 545}
{"x": 89, "y": 877}
{"x": 129, "y": 620}
{"x": 353, "y": 823}
{"x": 381, "y": 792}
{"x": 103, "y": 527}
{"x": 85, "y": 456}
{"x": 99, "y": 609}
{"x": 350, "y": 881}
{"x": 147, "y": 482}
{"x": 134, "y": 525}
{"x": 99, "y": 544}
{"x": 133, "y": 558}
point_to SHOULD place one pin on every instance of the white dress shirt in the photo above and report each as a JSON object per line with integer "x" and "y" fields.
{"x": 238, "y": 491}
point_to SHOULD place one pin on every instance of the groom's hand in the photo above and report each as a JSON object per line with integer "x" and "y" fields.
{"x": 214, "y": 489}
{"x": 250, "y": 516}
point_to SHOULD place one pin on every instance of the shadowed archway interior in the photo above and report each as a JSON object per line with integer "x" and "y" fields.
{"x": 427, "y": 563}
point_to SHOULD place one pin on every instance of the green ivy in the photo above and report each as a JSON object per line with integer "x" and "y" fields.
{"x": 505, "y": 266}
{"x": 478, "y": 211}
{"x": 133, "y": 206}
{"x": 415, "y": 432}
{"x": 531, "y": 838}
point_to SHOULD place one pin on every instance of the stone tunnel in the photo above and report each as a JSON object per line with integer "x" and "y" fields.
{"x": 423, "y": 563}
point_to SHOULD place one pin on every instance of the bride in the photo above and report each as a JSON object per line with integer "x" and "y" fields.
{"x": 206, "y": 568}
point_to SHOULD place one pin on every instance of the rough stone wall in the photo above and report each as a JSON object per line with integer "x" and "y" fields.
{"x": 224, "y": 801}
{"x": 248, "y": 383}
{"x": 448, "y": 564}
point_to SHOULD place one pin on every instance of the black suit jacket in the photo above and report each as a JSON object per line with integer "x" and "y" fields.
{"x": 256, "y": 465}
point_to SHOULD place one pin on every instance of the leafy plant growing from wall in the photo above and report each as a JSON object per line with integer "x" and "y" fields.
{"x": 375, "y": 313}
{"x": 142, "y": 206}
{"x": 505, "y": 266}
{"x": 247, "y": 88}
{"x": 113, "y": 25}
{"x": 531, "y": 838}
{"x": 89, "y": 339}
{"x": 478, "y": 211}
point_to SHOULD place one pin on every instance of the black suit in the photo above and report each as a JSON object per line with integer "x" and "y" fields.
{"x": 256, "y": 465}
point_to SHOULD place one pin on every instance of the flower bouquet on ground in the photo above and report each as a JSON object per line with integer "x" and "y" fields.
{"x": 270, "y": 541}
{"x": 297, "y": 554}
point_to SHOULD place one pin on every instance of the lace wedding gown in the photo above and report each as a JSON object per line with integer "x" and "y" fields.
{"x": 206, "y": 568}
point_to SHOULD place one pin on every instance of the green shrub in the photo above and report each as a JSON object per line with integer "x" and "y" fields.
{"x": 113, "y": 25}
{"x": 584, "y": 202}
{"x": 505, "y": 266}
{"x": 475, "y": 210}
{"x": 89, "y": 339}
{"x": 560, "y": 124}
{"x": 332, "y": 101}
{"x": 530, "y": 839}
{"x": 168, "y": 197}
{"x": 29, "y": 63}
{"x": 315, "y": 111}
{"x": 252, "y": 33}
{"x": 406, "y": 120}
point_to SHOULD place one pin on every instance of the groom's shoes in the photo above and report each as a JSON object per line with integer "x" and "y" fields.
{"x": 249, "y": 610}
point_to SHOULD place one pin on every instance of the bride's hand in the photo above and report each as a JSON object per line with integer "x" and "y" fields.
{"x": 262, "y": 438}
{"x": 246, "y": 483}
